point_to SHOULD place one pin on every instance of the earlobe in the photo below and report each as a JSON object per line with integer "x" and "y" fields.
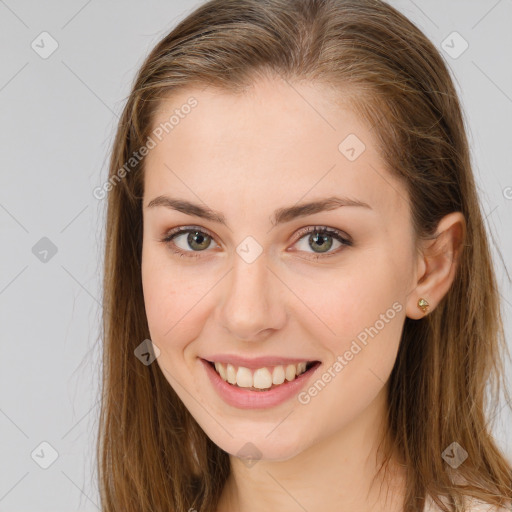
{"x": 437, "y": 266}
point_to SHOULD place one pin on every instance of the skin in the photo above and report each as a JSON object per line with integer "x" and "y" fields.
{"x": 247, "y": 155}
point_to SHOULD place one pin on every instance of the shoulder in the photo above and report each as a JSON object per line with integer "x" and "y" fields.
{"x": 472, "y": 505}
{"x": 479, "y": 506}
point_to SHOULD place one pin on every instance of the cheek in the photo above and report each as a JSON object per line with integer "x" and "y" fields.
{"x": 161, "y": 295}
{"x": 360, "y": 313}
{"x": 174, "y": 301}
{"x": 366, "y": 313}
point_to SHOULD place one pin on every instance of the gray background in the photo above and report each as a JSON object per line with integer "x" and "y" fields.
{"x": 58, "y": 120}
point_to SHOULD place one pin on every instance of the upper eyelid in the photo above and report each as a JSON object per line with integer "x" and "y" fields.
{"x": 186, "y": 229}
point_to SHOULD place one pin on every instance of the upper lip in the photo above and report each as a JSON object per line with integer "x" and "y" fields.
{"x": 255, "y": 362}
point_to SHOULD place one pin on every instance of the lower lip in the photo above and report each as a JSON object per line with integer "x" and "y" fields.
{"x": 248, "y": 399}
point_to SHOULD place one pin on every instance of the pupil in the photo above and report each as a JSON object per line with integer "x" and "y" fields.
{"x": 322, "y": 240}
{"x": 197, "y": 238}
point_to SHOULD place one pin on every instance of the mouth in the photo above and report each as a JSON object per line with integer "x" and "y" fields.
{"x": 261, "y": 379}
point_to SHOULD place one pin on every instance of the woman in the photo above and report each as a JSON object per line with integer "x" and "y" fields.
{"x": 293, "y": 222}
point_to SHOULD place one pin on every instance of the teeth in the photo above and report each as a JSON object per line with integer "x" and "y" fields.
{"x": 244, "y": 377}
{"x": 231, "y": 374}
{"x": 291, "y": 371}
{"x": 262, "y": 378}
{"x": 278, "y": 375}
{"x": 221, "y": 370}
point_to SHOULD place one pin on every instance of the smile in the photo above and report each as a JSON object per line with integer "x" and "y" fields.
{"x": 236, "y": 379}
{"x": 259, "y": 379}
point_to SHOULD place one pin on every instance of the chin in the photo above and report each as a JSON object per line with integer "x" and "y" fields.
{"x": 255, "y": 443}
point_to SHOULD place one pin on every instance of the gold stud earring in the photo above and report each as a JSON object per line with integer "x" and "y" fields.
{"x": 423, "y": 305}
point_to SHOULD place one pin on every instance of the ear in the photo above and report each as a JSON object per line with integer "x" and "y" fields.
{"x": 437, "y": 264}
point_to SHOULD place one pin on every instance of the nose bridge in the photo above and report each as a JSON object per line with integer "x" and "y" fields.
{"x": 249, "y": 306}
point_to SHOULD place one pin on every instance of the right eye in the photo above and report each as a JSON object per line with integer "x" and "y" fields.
{"x": 195, "y": 238}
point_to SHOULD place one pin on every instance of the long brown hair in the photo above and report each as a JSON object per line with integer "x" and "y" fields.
{"x": 152, "y": 455}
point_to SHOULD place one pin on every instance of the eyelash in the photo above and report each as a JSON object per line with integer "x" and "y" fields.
{"x": 322, "y": 230}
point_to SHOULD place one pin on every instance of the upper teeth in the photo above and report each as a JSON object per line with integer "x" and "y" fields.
{"x": 261, "y": 378}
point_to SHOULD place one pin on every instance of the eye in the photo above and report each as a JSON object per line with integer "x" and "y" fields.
{"x": 320, "y": 237}
{"x": 198, "y": 239}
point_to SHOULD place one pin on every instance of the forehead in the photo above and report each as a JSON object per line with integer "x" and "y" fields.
{"x": 277, "y": 142}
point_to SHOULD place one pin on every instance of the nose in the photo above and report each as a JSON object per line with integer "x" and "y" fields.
{"x": 251, "y": 307}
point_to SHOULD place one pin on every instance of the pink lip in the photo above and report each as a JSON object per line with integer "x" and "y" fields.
{"x": 247, "y": 399}
{"x": 255, "y": 362}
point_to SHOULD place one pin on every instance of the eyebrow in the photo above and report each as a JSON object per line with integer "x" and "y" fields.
{"x": 281, "y": 215}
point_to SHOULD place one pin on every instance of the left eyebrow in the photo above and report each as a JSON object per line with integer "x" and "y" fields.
{"x": 281, "y": 215}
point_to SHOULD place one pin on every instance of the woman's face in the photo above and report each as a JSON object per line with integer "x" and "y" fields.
{"x": 255, "y": 280}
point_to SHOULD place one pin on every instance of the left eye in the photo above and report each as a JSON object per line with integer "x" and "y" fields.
{"x": 321, "y": 237}
{"x": 200, "y": 240}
